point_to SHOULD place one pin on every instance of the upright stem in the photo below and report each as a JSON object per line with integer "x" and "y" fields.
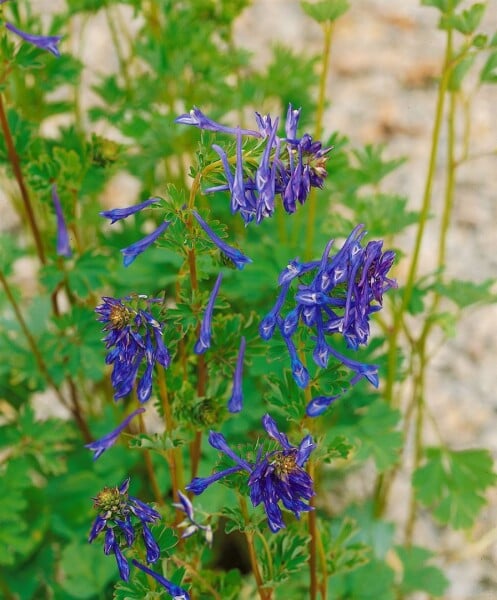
{"x": 16, "y": 167}
{"x": 264, "y": 593}
{"x": 150, "y": 468}
{"x": 311, "y": 516}
{"x": 311, "y": 202}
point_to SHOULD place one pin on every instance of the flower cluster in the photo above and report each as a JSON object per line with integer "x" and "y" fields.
{"x": 133, "y": 336}
{"x": 289, "y": 167}
{"x": 120, "y": 516}
{"x": 339, "y": 298}
{"x": 276, "y": 476}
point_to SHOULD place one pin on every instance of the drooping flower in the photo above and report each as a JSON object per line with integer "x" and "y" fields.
{"x": 275, "y": 476}
{"x": 204, "y": 341}
{"x": 116, "y": 214}
{"x": 131, "y": 252}
{"x": 289, "y": 167}
{"x": 176, "y": 592}
{"x": 235, "y": 403}
{"x": 45, "y": 42}
{"x": 190, "y": 524}
{"x": 107, "y": 441}
{"x": 233, "y": 254}
{"x": 121, "y": 517}
{"x": 133, "y": 337}
{"x": 335, "y": 295}
{"x": 63, "y": 247}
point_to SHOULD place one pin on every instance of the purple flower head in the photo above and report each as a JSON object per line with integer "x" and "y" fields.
{"x": 116, "y": 214}
{"x": 131, "y": 252}
{"x": 63, "y": 247}
{"x": 288, "y": 167}
{"x": 233, "y": 254}
{"x": 275, "y": 476}
{"x": 176, "y": 592}
{"x": 341, "y": 292}
{"x": 190, "y": 524}
{"x": 119, "y": 518}
{"x": 204, "y": 341}
{"x": 45, "y": 42}
{"x": 133, "y": 338}
{"x": 104, "y": 443}
{"x": 235, "y": 403}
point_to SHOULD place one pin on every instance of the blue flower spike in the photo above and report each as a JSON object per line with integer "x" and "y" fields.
{"x": 176, "y": 592}
{"x": 98, "y": 447}
{"x": 63, "y": 246}
{"x": 131, "y": 252}
{"x": 204, "y": 341}
{"x": 116, "y": 214}
{"x": 235, "y": 403}
{"x": 50, "y": 43}
{"x": 190, "y": 524}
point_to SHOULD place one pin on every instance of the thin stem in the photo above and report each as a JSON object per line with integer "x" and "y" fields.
{"x": 311, "y": 201}
{"x": 264, "y": 593}
{"x": 311, "y": 516}
{"x": 150, "y": 467}
{"x": 123, "y": 67}
{"x": 16, "y": 167}
{"x": 194, "y": 574}
{"x": 267, "y": 549}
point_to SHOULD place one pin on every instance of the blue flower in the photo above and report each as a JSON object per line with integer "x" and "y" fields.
{"x": 190, "y": 524}
{"x": 277, "y": 476}
{"x": 45, "y": 42}
{"x": 133, "y": 337}
{"x": 107, "y": 441}
{"x": 339, "y": 296}
{"x": 119, "y": 516}
{"x": 233, "y": 254}
{"x": 63, "y": 247}
{"x": 172, "y": 589}
{"x": 116, "y": 214}
{"x": 204, "y": 340}
{"x": 131, "y": 252}
{"x": 289, "y": 167}
{"x": 235, "y": 403}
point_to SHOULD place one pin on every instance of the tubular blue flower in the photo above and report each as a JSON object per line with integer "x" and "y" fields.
{"x": 119, "y": 515}
{"x": 116, "y": 214}
{"x": 235, "y": 403}
{"x": 233, "y": 254}
{"x": 63, "y": 247}
{"x": 133, "y": 337}
{"x": 131, "y": 252}
{"x": 204, "y": 341}
{"x": 317, "y": 406}
{"x": 277, "y": 475}
{"x": 341, "y": 293}
{"x": 104, "y": 443}
{"x": 172, "y": 589}
{"x": 289, "y": 167}
{"x": 45, "y": 42}
{"x": 190, "y": 524}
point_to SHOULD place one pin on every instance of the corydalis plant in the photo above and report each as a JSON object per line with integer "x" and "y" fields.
{"x": 288, "y": 167}
{"x": 133, "y": 337}
{"x": 120, "y": 517}
{"x": 276, "y": 475}
{"x": 336, "y": 295}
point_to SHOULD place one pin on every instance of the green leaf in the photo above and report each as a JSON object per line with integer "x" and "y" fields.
{"x": 465, "y": 22}
{"x": 326, "y": 10}
{"x": 466, "y": 293}
{"x": 459, "y": 72}
{"x": 419, "y": 576}
{"x": 489, "y": 72}
{"x": 343, "y": 550}
{"x": 444, "y": 6}
{"x": 453, "y": 484}
{"x": 85, "y": 570}
{"x": 290, "y": 554}
{"x": 372, "y": 167}
{"x": 371, "y": 581}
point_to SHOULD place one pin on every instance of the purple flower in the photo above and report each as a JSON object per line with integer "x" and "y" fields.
{"x": 190, "y": 524}
{"x": 317, "y": 406}
{"x": 116, "y": 214}
{"x": 63, "y": 247}
{"x": 235, "y": 403}
{"x": 172, "y": 589}
{"x": 341, "y": 294}
{"x": 118, "y": 516}
{"x": 233, "y": 254}
{"x": 131, "y": 252}
{"x": 133, "y": 336}
{"x": 45, "y": 42}
{"x": 204, "y": 340}
{"x": 104, "y": 443}
{"x": 288, "y": 167}
{"x": 276, "y": 476}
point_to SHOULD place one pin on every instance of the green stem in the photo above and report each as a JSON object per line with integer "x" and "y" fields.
{"x": 149, "y": 466}
{"x": 123, "y": 66}
{"x": 312, "y": 201}
{"x": 16, "y": 167}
